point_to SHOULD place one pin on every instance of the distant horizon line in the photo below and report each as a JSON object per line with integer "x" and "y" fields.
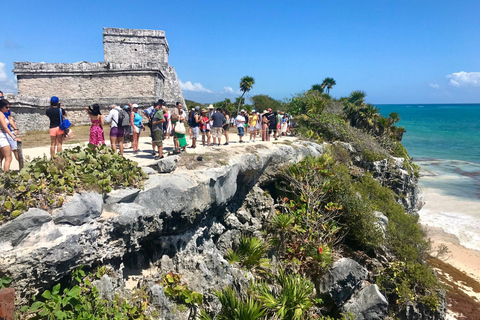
{"x": 425, "y": 104}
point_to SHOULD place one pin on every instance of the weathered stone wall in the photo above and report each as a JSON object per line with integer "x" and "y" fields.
{"x": 171, "y": 87}
{"x": 81, "y": 86}
{"x": 135, "y": 46}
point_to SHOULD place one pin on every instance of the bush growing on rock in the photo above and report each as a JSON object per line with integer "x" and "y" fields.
{"x": 44, "y": 183}
{"x": 81, "y": 301}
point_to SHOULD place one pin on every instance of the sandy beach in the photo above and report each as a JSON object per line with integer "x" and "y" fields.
{"x": 464, "y": 259}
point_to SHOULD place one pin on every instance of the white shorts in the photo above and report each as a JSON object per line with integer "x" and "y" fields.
{"x": 137, "y": 129}
{"x": 3, "y": 140}
{"x": 253, "y": 128}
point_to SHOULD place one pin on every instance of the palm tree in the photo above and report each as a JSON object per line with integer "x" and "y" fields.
{"x": 357, "y": 97}
{"x": 246, "y": 83}
{"x": 328, "y": 83}
{"x": 317, "y": 87}
{"x": 393, "y": 117}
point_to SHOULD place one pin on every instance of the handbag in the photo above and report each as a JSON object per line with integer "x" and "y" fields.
{"x": 68, "y": 135}
{"x": 180, "y": 128}
{"x": 65, "y": 124}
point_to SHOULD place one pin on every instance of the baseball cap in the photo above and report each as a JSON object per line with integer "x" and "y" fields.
{"x": 162, "y": 102}
{"x": 54, "y": 99}
{"x": 126, "y": 107}
{"x": 197, "y": 108}
{"x": 242, "y": 110}
{"x": 135, "y": 106}
{"x": 269, "y": 110}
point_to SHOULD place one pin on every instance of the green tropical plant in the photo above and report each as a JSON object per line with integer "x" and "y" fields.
{"x": 237, "y": 308}
{"x": 328, "y": 83}
{"x": 250, "y": 253}
{"x": 357, "y": 97}
{"x": 290, "y": 299}
{"x": 317, "y": 87}
{"x": 246, "y": 84}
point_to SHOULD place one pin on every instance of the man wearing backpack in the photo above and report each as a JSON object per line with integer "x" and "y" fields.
{"x": 194, "y": 123}
{"x": 117, "y": 119}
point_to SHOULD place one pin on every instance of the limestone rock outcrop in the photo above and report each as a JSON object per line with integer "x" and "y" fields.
{"x": 180, "y": 212}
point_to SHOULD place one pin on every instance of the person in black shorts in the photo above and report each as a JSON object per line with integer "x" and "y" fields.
{"x": 272, "y": 123}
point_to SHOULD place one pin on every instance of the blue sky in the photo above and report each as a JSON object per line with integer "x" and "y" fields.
{"x": 395, "y": 51}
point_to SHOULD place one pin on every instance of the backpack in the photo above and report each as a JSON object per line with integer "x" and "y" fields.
{"x": 191, "y": 120}
{"x": 123, "y": 120}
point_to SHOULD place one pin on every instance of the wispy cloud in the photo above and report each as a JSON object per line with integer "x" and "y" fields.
{"x": 196, "y": 87}
{"x": 434, "y": 85}
{"x": 464, "y": 79}
{"x": 6, "y": 84}
{"x": 230, "y": 90}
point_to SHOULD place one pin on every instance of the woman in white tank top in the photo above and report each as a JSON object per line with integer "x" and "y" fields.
{"x": 5, "y": 149}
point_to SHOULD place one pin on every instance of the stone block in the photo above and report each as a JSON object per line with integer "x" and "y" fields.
{"x": 7, "y": 304}
{"x": 168, "y": 164}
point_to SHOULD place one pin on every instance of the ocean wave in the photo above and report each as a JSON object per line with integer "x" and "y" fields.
{"x": 465, "y": 227}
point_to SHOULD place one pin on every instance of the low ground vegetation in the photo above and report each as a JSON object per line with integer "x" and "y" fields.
{"x": 44, "y": 183}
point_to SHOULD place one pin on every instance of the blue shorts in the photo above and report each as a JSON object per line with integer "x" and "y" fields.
{"x": 241, "y": 131}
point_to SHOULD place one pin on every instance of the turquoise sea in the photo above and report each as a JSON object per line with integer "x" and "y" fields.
{"x": 444, "y": 139}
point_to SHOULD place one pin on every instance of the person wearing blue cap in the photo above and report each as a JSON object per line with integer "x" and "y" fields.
{"x": 56, "y": 134}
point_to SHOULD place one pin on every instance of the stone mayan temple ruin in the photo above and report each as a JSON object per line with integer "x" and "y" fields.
{"x": 135, "y": 70}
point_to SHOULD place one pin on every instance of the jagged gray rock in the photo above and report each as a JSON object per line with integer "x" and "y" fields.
{"x": 168, "y": 164}
{"x": 122, "y": 195}
{"x": 392, "y": 173}
{"x": 15, "y": 231}
{"x": 367, "y": 304}
{"x": 341, "y": 281}
{"x": 382, "y": 222}
{"x": 82, "y": 208}
{"x": 160, "y": 301}
{"x": 105, "y": 288}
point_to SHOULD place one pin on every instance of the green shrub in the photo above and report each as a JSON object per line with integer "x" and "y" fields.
{"x": 44, "y": 183}
{"x": 405, "y": 282}
{"x": 250, "y": 253}
{"x": 406, "y": 238}
{"x": 178, "y": 292}
{"x": 332, "y": 127}
{"x": 81, "y": 301}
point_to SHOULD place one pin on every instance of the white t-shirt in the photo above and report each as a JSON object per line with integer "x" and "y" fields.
{"x": 240, "y": 118}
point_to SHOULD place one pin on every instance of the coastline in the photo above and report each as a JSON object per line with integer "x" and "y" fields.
{"x": 463, "y": 259}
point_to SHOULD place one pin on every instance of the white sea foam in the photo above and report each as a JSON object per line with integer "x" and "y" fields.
{"x": 464, "y": 226}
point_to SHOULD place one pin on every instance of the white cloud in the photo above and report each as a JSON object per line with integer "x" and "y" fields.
{"x": 464, "y": 79}
{"x": 230, "y": 90}
{"x": 189, "y": 86}
{"x": 6, "y": 84}
{"x": 434, "y": 85}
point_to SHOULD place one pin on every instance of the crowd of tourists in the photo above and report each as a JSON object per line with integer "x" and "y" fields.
{"x": 127, "y": 124}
